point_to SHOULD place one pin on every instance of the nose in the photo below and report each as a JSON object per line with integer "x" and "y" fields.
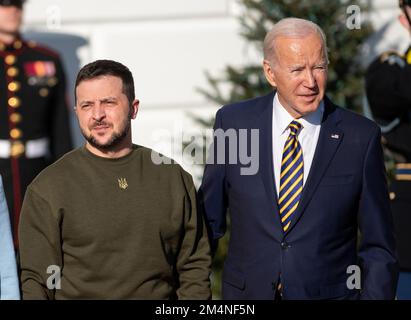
{"x": 98, "y": 112}
{"x": 310, "y": 79}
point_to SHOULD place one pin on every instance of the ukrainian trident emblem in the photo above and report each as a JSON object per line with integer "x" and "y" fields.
{"x": 122, "y": 183}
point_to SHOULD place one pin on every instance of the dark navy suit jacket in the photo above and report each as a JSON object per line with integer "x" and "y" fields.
{"x": 345, "y": 192}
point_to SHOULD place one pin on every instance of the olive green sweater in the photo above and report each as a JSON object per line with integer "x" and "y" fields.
{"x": 121, "y": 228}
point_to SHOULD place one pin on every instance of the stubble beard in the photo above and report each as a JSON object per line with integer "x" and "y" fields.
{"x": 115, "y": 140}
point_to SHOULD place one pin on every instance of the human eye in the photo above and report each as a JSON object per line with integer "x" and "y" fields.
{"x": 109, "y": 102}
{"x": 85, "y": 106}
{"x": 296, "y": 70}
{"x": 320, "y": 67}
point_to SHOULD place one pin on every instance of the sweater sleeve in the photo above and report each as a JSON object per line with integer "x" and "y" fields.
{"x": 40, "y": 247}
{"x": 194, "y": 257}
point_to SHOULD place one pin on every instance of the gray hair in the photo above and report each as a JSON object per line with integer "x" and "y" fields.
{"x": 291, "y": 28}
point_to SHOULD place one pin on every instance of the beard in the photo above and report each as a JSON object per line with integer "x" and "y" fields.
{"x": 116, "y": 137}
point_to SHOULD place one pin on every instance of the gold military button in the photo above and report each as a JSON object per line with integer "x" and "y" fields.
{"x": 14, "y": 102}
{"x": 16, "y": 149}
{"x": 44, "y": 92}
{"x": 13, "y": 86}
{"x": 12, "y": 71}
{"x": 17, "y": 44}
{"x": 15, "y": 117}
{"x": 15, "y": 133}
{"x": 10, "y": 59}
{"x": 392, "y": 195}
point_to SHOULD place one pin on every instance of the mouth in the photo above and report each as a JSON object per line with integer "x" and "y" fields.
{"x": 309, "y": 97}
{"x": 100, "y": 127}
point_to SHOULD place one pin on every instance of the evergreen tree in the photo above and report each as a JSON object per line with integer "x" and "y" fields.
{"x": 345, "y": 73}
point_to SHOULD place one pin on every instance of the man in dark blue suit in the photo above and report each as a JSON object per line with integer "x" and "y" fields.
{"x": 318, "y": 177}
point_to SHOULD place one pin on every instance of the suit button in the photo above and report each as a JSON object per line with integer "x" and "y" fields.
{"x": 17, "y": 45}
{"x": 12, "y": 72}
{"x": 285, "y": 245}
{"x": 17, "y": 149}
{"x": 15, "y": 117}
{"x": 10, "y": 59}
{"x": 13, "y": 86}
{"x": 14, "y": 102}
{"x": 16, "y": 133}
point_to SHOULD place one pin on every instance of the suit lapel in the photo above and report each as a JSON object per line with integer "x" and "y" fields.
{"x": 266, "y": 171}
{"x": 328, "y": 141}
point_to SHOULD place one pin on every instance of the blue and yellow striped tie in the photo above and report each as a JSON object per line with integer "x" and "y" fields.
{"x": 291, "y": 178}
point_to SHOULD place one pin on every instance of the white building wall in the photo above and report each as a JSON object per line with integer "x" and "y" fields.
{"x": 168, "y": 45}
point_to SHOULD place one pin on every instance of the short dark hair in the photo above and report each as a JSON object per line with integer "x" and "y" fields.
{"x": 100, "y": 68}
{"x": 16, "y": 3}
{"x": 404, "y": 3}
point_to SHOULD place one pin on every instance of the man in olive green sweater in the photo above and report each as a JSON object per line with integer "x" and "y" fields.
{"x": 105, "y": 222}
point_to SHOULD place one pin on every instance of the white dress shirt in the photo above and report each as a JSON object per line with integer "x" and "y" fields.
{"x": 308, "y": 137}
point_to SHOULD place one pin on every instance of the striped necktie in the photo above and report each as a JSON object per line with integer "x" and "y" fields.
{"x": 291, "y": 177}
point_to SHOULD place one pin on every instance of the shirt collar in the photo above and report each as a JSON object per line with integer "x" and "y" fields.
{"x": 282, "y": 118}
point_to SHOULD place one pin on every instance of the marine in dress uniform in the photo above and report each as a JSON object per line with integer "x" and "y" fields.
{"x": 388, "y": 88}
{"x": 34, "y": 117}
